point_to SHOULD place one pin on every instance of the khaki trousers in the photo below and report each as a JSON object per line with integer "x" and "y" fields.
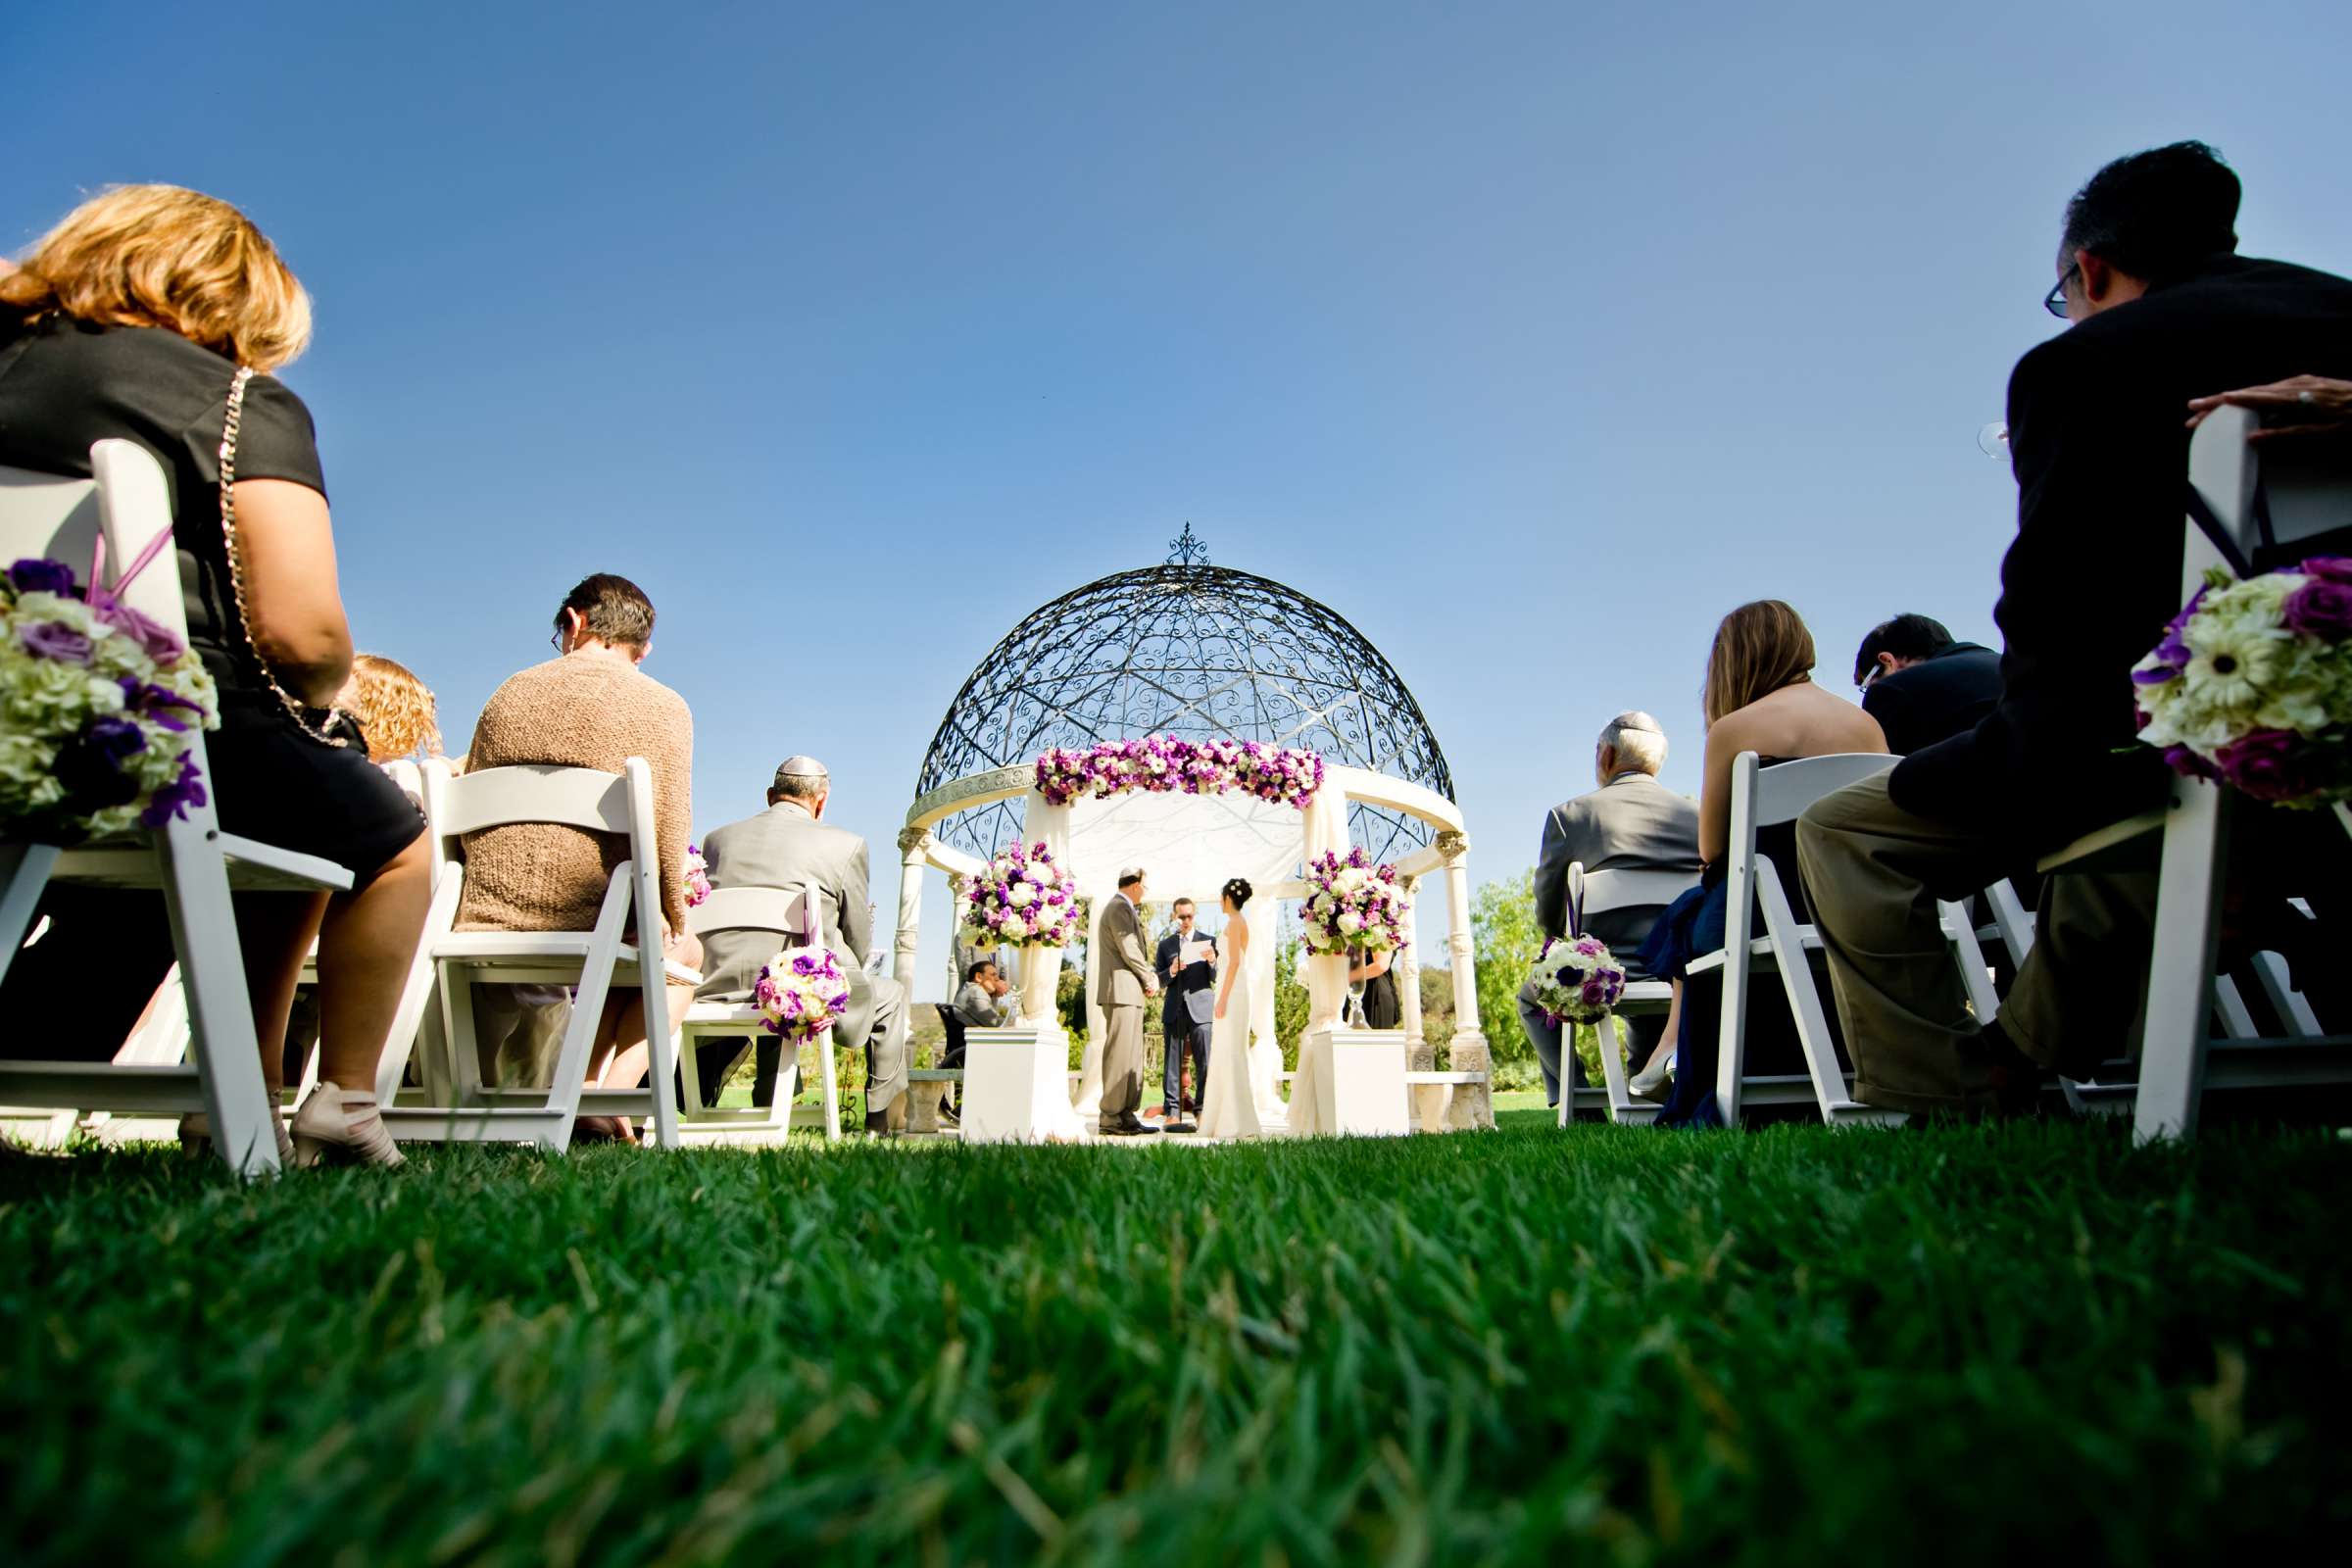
{"x": 1122, "y": 1061}
{"x": 1873, "y": 873}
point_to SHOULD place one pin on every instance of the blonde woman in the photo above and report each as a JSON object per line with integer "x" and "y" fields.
{"x": 393, "y": 708}
{"x": 148, "y": 313}
{"x": 1760, "y": 696}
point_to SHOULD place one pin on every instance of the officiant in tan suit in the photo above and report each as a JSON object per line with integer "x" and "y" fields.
{"x": 790, "y": 845}
{"x": 1124, "y": 983}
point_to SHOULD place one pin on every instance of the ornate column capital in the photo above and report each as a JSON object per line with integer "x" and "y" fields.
{"x": 957, "y": 883}
{"x": 1452, "y": 844}
{"x": 1410, "y": 884}
{"x": 913, "y": 839}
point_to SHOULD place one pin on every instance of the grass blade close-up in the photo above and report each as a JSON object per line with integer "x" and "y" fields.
{"x": 1802, "y": 1344}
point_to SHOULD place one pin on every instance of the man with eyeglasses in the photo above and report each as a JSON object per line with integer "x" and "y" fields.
{"x": 1922, "y": 685}
{"x": 2163, "y": 311}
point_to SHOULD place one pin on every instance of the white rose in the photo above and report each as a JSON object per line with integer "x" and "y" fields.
{"x": 1023, "y": 895}
{"x": 1351, "y": 921}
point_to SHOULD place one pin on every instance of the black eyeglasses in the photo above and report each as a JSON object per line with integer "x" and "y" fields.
{"x": 2055, "y": 301}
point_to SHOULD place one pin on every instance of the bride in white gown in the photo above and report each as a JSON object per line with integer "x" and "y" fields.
{"x": 1229, "y": 1103}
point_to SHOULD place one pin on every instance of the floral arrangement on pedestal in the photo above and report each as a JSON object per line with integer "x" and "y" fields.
{"x": 800, "y": 993}
{"x": 1163, "y": 766}
{"x": 697, "y": 876}
{"x": 1352, "y": 906}
{"x": 1576, "y": 980}
{"x": 1021, "y": 898}
{"x": 96, "y": 706}
{"x": 2252, "y": 684}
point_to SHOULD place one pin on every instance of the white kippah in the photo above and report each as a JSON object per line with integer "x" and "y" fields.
{"x": 1133, "y": 873}
{"x": 801, "y": 767}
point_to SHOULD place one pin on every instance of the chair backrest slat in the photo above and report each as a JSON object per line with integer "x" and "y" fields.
{"x": 1785, "y": 789}
{"x": 2302, "y": 489}
{"x": 1604, "y": 891}
{"x": 780, "y": 909}
{"x": 497, "y": 797}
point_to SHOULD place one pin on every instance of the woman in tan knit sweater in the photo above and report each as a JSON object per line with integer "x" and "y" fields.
{"x": 589, "y": 707}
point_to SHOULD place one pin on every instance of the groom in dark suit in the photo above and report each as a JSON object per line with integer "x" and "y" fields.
{"x": 1187, "y": 1016}
{"x": 2162, "y": 311}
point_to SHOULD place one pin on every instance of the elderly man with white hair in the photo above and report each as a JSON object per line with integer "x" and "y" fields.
{"x": 1631, "y": 823}
{"x": 790, "y": 845}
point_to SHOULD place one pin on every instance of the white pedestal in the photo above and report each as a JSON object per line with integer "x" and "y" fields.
{"x": 1016, "y": 1086}
{"x": 1364, "y": 1092}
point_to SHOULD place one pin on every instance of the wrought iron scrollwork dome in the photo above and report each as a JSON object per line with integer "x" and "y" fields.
{"x": 1187, "y": 650}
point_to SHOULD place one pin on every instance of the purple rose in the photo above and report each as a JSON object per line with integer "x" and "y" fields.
{"x": 2273, "y": 765}
{"x": 158, "y": 640}
{"x": 1594, "y": 993}
{"x": 49, "y": 638}
{"x": 34, "y": 575}
{"x": 2322, "y": 607}
{"x": 174, "y": 797}
{"x": 2328, "y": 568}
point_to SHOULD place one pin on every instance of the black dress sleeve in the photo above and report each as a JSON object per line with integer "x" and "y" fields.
{"x": 275, "y": 438}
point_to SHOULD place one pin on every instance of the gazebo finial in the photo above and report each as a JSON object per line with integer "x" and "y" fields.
{"x": 1185, "y": 550}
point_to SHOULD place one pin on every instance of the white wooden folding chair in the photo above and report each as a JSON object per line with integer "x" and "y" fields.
{"x": 1761, "y": 798}
{"x": 1598, "y": 893}
{"x": 2253, "y": 512}
{"x": 188, "y": 859}
{"x": 594, "y": 961}
{"x": 2241, "y": 1055}
{"x": 792, "y": 916}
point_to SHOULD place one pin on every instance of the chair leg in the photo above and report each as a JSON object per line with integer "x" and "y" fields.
{"x": 211, "y": 966}
{"x": 23, "y": 872}
{"x": 824, "y": 1054}
{"x": 2172, "y": 1065}
{"x": 2288, "y": 1003}
{"x": 1960, "y": 930}
{"x": 1804, "y": 999}
{"x": 1612, "y": 1070}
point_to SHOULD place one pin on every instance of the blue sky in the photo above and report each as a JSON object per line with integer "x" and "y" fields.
{"x": 1531, "y": 338}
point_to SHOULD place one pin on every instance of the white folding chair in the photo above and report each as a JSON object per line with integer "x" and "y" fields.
{"x": 2240, "y": 1054}
{"x": 189, "y": 859}
{"x": 1598, "y": 893}
{"x": 792, "y": 916}
{"x": 594, "y": 961}
{"x": 1767, "y": 797}
{"x": 2254, "y": 510}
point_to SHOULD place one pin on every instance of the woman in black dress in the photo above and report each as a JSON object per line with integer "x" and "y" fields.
{"x": 147, "y": 314}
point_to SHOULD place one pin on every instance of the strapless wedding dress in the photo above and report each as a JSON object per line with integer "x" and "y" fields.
{"x": 1229, "y": 1103}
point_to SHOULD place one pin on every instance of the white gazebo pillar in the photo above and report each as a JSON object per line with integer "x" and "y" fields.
{"x": 1428, "y": 1101}
{"x": 915, "y": 848}
{"x": 1468, "y": 1052}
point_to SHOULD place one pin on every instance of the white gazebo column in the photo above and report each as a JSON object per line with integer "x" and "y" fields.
{"x": 1428, "y": 1100}
{"x": 914, "y": 845}
{"x": 1473, "y": 1102}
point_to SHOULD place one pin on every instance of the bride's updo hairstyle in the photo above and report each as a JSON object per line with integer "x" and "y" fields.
{"x": 1239, "y": 891}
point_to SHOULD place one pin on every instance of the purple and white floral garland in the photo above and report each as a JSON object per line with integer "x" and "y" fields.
{"x": 801, "y": 992}
{"x": 1352, "y": 907}
{"x": 1022, "y": 899}
{"x": 97, "y": 705}
{"x": 2252, "y": 684}
{"x": 1161, "y": 764}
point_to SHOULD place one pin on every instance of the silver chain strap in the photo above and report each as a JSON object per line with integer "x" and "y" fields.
{"x": 295, "y": 709}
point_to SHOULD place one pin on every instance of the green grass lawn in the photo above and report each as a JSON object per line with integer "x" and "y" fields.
{"x": 1793, "y": 1345}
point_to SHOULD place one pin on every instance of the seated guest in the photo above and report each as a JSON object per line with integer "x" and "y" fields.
{"x": 1922, "y": 686}
{"x": 150, "y": 314}
{"x": 2164, "y": 313}
{"x": 589, "y": 707}
{"x": 790, "y": 845}
{"x": 1760, "y": 696}
{"x": 1631, "y": 823}
{"x": 394, "y": 710}
{"x": 981, "y": 1004}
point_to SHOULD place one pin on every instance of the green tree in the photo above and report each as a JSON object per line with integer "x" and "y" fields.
{"x": 1289, "y": 1003}
{"x": 1505, "y": 937}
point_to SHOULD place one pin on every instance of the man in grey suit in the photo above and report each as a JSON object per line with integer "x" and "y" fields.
{"x": 1124, "y": 982}
{"x": 790, "y": 845}
{"x": 1631, "y": 823}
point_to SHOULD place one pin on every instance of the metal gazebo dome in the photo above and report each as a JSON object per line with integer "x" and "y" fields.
{"x": 1192, "y": 650}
